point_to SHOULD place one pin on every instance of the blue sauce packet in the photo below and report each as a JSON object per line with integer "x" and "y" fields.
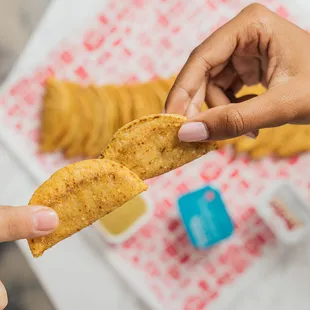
{"x": 205, "y": 217}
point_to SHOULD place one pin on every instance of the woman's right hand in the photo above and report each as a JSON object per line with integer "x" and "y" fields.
{"x": 256, "y": 46}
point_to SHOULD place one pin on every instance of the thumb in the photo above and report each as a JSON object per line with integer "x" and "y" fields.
{"x": 26, "y": 222}
{"x": 270, "y": 109}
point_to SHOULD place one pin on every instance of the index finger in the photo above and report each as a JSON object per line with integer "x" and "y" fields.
{"x": 208, "y": 58}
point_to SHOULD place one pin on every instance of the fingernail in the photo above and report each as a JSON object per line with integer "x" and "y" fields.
{"x": 163, "y": 111}
{"x": 45, "y": 219}
{"x": 251, "y": 135}
{"x": 194, "y": 131}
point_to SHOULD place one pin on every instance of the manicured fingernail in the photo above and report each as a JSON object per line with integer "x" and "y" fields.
{"x": 45, "y": 219}
{"x": 251, "y": 135}
{"x": 194, "y": 131}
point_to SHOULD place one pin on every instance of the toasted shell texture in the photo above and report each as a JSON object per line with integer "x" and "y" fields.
{"x": 82, "y": 193}
{"x": 150, "y": 146}
{"x": 55, "y": 113}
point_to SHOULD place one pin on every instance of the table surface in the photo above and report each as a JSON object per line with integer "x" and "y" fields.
{"x": 73, "y": 274}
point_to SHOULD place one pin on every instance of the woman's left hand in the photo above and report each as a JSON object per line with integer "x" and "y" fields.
{"x": 24, "y": 223}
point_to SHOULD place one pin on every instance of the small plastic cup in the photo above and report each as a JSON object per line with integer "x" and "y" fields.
{"x": 116, "y": 233}
{"x": 286, "y": 212}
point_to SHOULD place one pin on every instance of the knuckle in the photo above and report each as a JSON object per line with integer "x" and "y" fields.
{"x": 255, "y": 9}
{"x": 234, "y": 123}
{"x": 257, "y": 16}
{"x": 256, "y": 27}
{"x": 197, "y": 54}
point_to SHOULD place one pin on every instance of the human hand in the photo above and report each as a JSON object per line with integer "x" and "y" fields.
{"x": 256, "y": 46}
{"x": 23, "y": 223}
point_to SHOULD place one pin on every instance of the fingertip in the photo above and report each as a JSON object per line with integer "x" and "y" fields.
{"x": 176, "y": 102}
{"x": 192, "y": 110}
{"x": 188, "y": 88}
{"x": 193, "y": 132}
{"x": 45, "y": 220}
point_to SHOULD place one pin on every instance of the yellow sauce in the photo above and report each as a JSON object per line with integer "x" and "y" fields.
{"x": 125, "y": 216}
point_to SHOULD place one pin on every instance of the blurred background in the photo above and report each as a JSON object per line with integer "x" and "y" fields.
{"x": 18, "y": 19}
{"x": 77, "y": 274}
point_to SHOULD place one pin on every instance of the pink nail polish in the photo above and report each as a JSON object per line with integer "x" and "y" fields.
{"x": 250, "y": 135}
{"x": 45, "y": 219}
{"x": 194, "y": 131}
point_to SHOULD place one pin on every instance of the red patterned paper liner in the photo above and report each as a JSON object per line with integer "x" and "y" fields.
{"x": 115, "y": 48}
